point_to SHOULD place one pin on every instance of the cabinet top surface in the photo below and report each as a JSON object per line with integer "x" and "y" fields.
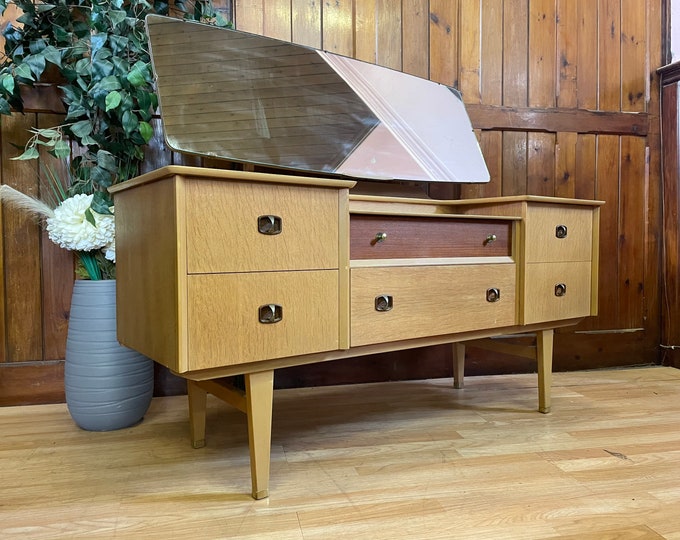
{"x": 231, "y": 175}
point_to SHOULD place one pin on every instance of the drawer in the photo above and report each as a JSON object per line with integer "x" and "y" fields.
{"x": 401, "y": 237}
{"x": 223, "y": 221}
{"x": 546, "y": 300}
{"x": 558, "y": 233}
{"x": 223, "y": 316}
{"x": 429, "y": 301}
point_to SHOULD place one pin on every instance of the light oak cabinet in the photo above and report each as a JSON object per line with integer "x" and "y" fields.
{"x": 234, "y": 273}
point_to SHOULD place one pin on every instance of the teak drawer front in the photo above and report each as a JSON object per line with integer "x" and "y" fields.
{"x": 427, "y": 237}
{"x": 222, "y": 221}
{"x": 544, "y": 226}
{"x": 429, "y": 301}
{"x": 542, "y": 299}
{"x": 223, "y": 316}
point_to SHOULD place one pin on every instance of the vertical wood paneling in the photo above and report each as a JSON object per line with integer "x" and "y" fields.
{"x": 567, "y": 52}
{"x": 565, "y": 163}
{"x": 388, "y": 33}
{"x": 542, "y": 88}
{"x": 491, "y": 88}
{"x": 21, "y": 249}
{"x": 469, "y": 80}
{"x": 609, "y": 57}
{"x": 515, "y": 93}
{"x": 306, "y": 22}
{"x": 444, "y": 41}
{"x": 248, "y": 16}
{"x": 655, "y": 230}
{"x": 277, "y": 19}
{"x": 587, "y": 59}
{"x": 338, "y": 27}
{"x": 366, "y": 46}
{"x": 416, "y": 37}
{"x": 608, "y": 160}
{"x": 633, "y": 201}
{"x": 634, "y": 61}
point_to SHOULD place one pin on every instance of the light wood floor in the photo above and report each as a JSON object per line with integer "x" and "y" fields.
{"x": 378, "y": 461}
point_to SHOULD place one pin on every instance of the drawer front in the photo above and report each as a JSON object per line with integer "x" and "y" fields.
{"x": 223, "y": 221}
{"x": 558, "y": 233}
{"x": 392, "y": 237}
{"x": 223, "y": 316}
{"x": 555, "y": 291}
{"x": 429, "y": 301}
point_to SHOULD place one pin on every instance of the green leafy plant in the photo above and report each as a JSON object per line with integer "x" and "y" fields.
{"x": 99, "y": 51}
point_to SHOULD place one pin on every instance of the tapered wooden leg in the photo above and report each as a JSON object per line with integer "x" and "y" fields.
{"x": 458, "y": 365}
{"x": 259, "y": 400}
{"x": 544, "y": 356}
{"x": 198, "y": 399}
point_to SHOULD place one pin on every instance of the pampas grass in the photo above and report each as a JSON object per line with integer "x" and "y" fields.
{"x": 26, "y": 203}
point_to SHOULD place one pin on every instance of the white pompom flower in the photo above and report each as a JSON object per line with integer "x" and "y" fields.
{"x": 110, "y": 251}
{"x": 69, "y": 228}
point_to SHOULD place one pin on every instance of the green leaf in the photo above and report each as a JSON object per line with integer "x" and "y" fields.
{"x": 129, "y": 122}
{"x": 109, "y": 84}
{"x": 23, "y": 71}
{"x": 52, "y": 55}
{"x": 4, "y": 106}
{"x": 101, "y": 203}
{"x": 137, "y": 75}
{"x": 29, "y": 153}
{"x": 146, "y": 131}
{"x": 90, "y": 218}
{"x": 101, "y": 176}
{"x": 62, "y": 149}
{"x": 112, "y": 100}
{"x": 36, "y": 62}
{"x": 117, "y": 17}
{"x": 8, "y": 82}
{"x": 82, "y": 128}
{"x": 107, "y": 161}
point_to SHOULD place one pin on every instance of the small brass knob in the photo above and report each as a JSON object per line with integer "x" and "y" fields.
{"x": 561, "y": 231}
{"x": 493, "y": 294}
{"x": 560, "y": 289}
{"x": 380, "y": 237}
{"x": 491, "y": 238}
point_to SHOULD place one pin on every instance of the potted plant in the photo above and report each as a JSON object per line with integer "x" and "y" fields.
{"x": 99, "y": 53}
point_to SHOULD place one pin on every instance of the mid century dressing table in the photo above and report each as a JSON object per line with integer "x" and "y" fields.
{"x": 224, "y": 272}
{"x": 244, "y": 273}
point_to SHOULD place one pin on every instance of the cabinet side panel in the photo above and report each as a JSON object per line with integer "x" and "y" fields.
{"x": 147, "y": 271}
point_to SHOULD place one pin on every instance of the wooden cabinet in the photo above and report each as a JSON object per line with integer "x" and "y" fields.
{"x": 228, "y": 273}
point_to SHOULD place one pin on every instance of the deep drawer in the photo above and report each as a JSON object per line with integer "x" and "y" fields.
{"x": 429, "y": 301}
{"x": 223, "y": 316}
{"x": 555, "y": 291}
{"x": 399, "y": 237}
{"x": 223, "y": 221}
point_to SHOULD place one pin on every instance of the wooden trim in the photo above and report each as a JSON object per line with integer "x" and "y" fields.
{"x": 554, "y": 120}
{"x": 31, "y": 383}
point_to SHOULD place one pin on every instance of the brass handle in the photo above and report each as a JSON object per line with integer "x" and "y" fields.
{"x": 561, "y": 231}
{"x": 560, "y": 289}
{"x": 493, "y": 294}
{"x": 379, "y": 237}
{"x": 270, "y": 313}
{"x": 490, "y": 239}
{"x": 384, "y": 302}
{"x": 269, "y": 224}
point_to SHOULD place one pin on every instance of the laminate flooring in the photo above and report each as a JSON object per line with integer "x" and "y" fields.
{"x": 397, "y": 460}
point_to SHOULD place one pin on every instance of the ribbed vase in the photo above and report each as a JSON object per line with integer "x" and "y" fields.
{"x": 107, "y": 386}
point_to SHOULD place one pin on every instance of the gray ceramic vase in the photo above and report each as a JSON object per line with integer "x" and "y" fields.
{"x": 107, "y": 386}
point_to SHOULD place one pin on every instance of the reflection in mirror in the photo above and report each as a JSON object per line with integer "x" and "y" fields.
{"x": 249, "y": 98}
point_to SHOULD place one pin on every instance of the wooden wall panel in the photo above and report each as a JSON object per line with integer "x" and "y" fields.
{"x": 532, "y": 73}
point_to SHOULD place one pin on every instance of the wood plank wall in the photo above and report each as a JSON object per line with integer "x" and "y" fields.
{"x": 565, "y": 100}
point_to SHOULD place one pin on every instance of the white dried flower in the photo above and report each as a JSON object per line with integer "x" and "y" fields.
{"x": 110, "y": 251}
{"x": 70, "y": 229}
